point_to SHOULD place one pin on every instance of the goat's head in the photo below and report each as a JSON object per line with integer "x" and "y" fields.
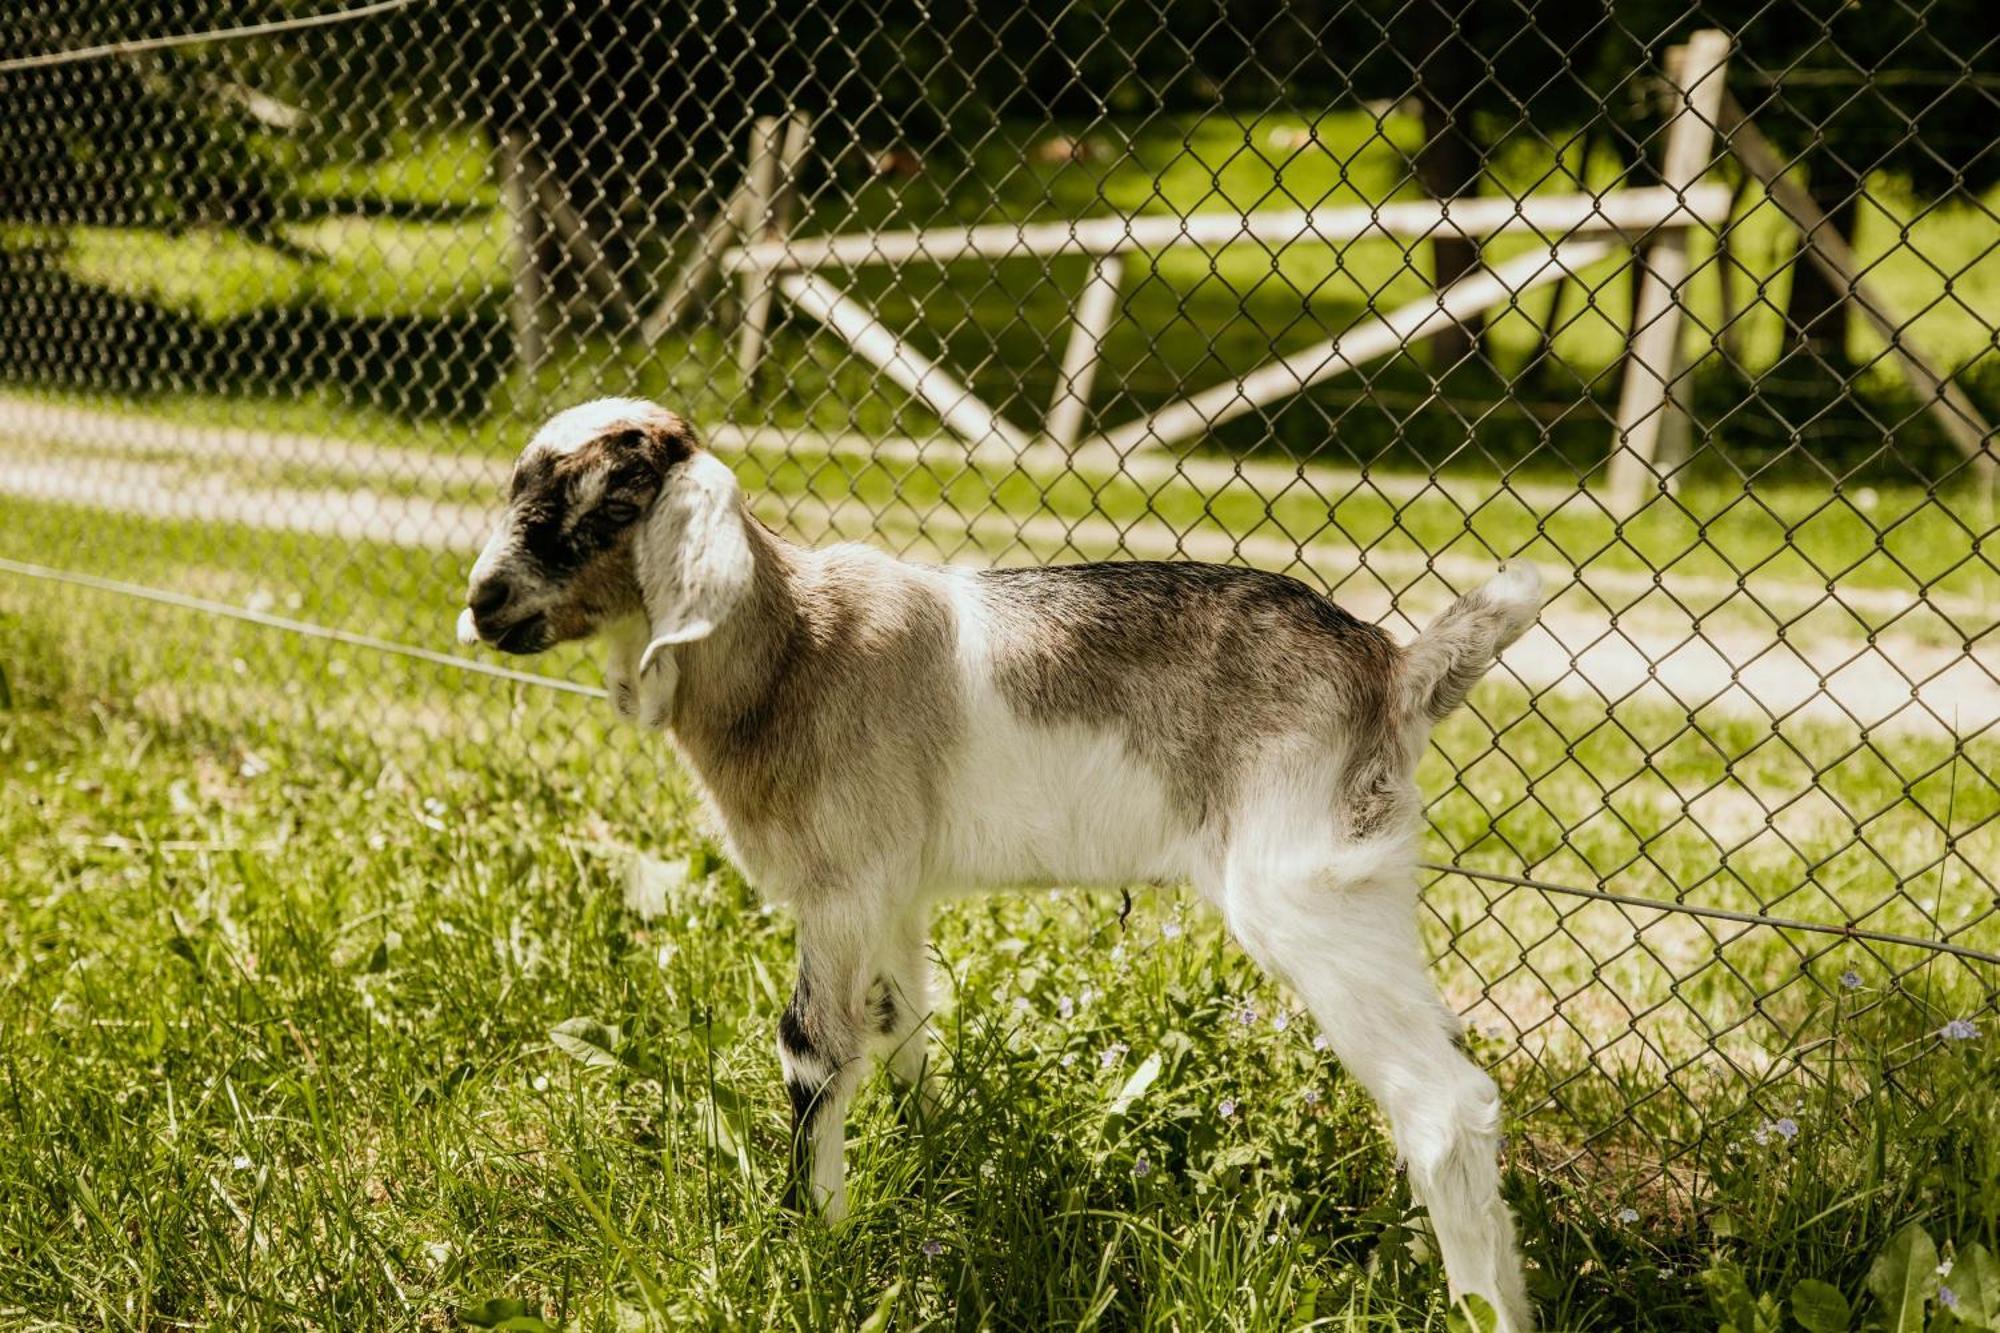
{"x": 615, "y": 512}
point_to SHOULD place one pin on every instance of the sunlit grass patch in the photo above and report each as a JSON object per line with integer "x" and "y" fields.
{"x": 288, "y": 932}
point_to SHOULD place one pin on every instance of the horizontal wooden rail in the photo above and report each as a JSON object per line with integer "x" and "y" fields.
{"x": 1553, "y": 215}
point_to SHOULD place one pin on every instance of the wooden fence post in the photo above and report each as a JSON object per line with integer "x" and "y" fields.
{"x": 1821, "y": 244}
{"x": 773, "y": 188}
{"x": 582, "y": 248}
{"x": 1648, "y": 408}
{"x": 1095, "y": 308}
{"x": 731, "y": 222}
{"x": 529, "y": 298}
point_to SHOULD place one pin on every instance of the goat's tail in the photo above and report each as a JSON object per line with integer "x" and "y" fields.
{"x": 1448, "y": 658}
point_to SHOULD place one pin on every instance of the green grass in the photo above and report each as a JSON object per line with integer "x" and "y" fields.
{"x": 1189, "y": 318}
{"x": 286, "y": 927}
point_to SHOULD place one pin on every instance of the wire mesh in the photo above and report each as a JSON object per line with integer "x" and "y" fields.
{"x": 1698, "y": 309}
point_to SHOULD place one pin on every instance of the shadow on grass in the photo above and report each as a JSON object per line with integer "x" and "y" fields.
{"x": 89, "y": 340}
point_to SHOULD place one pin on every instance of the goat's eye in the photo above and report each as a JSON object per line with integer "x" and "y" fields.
{"x": 619, "y": 512}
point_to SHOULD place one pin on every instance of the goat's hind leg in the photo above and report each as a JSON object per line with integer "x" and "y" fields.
{"x": 1342, "y": 930}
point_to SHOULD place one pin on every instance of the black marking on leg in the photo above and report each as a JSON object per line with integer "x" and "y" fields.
{"x": 884, "y": 1009}
{"x": 797, "y": 1046}
{"x": 792, "y": 1035}
{"x": 805, "y": 1109}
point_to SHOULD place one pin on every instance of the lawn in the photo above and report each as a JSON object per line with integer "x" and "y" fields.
{"x": 351, "y": 990}
{"x": 346, "y": 989}
{"x": 429, "y": 242}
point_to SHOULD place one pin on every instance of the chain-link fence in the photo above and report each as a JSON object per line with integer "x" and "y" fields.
{"x": 1698, "y": 309}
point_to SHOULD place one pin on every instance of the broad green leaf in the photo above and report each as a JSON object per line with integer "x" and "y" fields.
{"x": 1135, "y": 1086}
{"x": 1471, "y": 1313}
{"x": 1975, "y": 1280}
{"x": 1904, "y": 1277}
{"x": 1820, "y": 1308}
{"x": 1737, "y": 1309}
{"x": 587, "y": 1041}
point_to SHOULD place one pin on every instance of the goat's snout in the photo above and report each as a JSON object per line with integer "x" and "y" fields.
{"x": 490, "y": 617}
{"x": 488, "y": 596}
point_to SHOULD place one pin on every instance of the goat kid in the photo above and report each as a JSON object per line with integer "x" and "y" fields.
{"x": 874, "y": 734}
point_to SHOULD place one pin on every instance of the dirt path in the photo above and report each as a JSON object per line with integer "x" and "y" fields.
{"x": 165, "y": 469}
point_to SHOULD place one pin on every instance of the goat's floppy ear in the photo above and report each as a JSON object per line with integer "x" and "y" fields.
{"x": 692, "y": 554}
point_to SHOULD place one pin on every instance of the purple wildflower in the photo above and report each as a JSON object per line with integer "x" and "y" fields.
{"x": 1851, "y": 979}
{"x": 1111, "y": 1054}
{"x": 1312, "y": 1097}
{"x": 1247, "y": 1014}
{"x": 933, "y": 1248}
{"x": 1140, "y": 1166}
{"x": 1785, "y": 1128}
{"x": 1226, "y": 1108}
{"x": 1320, "y": 1043}
{"x": 1947, "y": 1298}
{"x": 1959, "y": 1029}
{"x": 1066, "y": 1007}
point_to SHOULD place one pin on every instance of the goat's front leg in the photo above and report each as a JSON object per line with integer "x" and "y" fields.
{"x": 823, "y": 1042}
{"x": 900, "y": 1010}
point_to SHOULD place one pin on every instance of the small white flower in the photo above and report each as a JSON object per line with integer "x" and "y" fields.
{"x": 1021, "y": 1005}
{"x": 1112, "y": 1054}
{"x": 240, "y": 1162}
{"x": 541, "y": 1083}
{"x": 434, "y": 807}
{"x": 1628, "y": 1215}
{"x": 1320, "y": 1043}
{"x": 1281, "y": 1020}
{"x": 1944, "y": 1266}
{"x": 1068, "y": 1059}
{"x": 446, "y": 929}
{"x": 253, "y": 766}
{"x": 1066, "y": 1007}
{"x": 1170, "y": 930}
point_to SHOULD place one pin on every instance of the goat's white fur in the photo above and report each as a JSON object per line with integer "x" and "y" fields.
{"x": 1027, "y": 801}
